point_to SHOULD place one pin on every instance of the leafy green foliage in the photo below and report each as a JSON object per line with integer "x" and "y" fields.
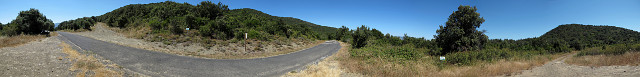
{"x": 580, "y": 36}
{"x": 469, "y": 58}
{"x": 616, "y": 49}
{"x": 460, "y": 32}
{"x": 360, "y": 37}
{"x": 389, "y": 52}
{"x": 343, "y": 34}
{"x": 80, "y": 23}
{"x": 28, "y": 22}
{"x": 210, "y": 20}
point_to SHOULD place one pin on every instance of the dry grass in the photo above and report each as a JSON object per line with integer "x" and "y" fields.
{"x": 87, "y": 64}
{"x": 629, "y": 58}
{"x": 329, "y": 67}
{"x": 426, "y": 66}
{"x": 19, "y": 40}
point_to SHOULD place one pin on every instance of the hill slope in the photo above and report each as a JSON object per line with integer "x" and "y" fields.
{"x": 211, "y": 20}
{"x": 578, "y": 35}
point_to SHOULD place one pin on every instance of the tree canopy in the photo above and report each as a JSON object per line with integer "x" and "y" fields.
{"x": 28, "y": 22}
{"x": 459, "y": 33}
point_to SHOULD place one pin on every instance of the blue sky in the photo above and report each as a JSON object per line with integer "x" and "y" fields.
{"x": 505, "y": 19}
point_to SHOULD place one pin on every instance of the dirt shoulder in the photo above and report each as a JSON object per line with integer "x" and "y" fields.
{"x": 558, "y": 68}
{"x": 220, "y": 50}
{"x": 35, "y": 59}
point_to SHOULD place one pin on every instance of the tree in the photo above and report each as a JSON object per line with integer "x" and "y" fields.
{"x": 211, "y": 10}
{"x": 376, "y": 33}
{"x": 30, "y": 22}
{"x": 342, "y": 31}
{"x": 460, "y": 32}
{"x": 360, "y": 37}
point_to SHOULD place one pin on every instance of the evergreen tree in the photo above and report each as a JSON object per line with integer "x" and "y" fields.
{"x": 460, "y": 32}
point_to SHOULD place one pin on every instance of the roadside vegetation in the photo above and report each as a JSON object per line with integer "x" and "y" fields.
{"x": 618, "y": 54}
{"x": 211, "y": 25}
{"x": 206, "y": 23}
{"x": 77, "y": 25}
{"x": 28, "y": 26}
{"x": 468, "y": 51}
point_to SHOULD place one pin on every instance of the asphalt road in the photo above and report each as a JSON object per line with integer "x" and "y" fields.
{"x": 162, "y": 64}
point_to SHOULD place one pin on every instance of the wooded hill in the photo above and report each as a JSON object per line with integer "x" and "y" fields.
{"x": 206, "y": 19}
{"x": 580, "y": 36}
{"x": 574, "y": 36}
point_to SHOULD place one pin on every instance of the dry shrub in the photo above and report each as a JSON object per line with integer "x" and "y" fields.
{"x": 629, "y": 58}
{"x": 19, "y": 40}
{"x": 87, "y": 63}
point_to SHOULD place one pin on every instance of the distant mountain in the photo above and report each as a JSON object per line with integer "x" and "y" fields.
{"x": 591, "y": 35}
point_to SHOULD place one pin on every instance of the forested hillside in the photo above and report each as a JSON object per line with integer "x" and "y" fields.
{"x": 580, "y": 36}
{"x": 80, "y": 23}
{"x": 206, "y": 19}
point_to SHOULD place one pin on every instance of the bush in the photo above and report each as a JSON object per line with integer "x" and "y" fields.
{"x": 360, "y": 37}
{"x": 616, "y": 49}
{"x": 471, "y": 57}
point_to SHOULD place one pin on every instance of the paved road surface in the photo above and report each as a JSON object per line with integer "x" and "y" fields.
{"x": 161, "y": 64}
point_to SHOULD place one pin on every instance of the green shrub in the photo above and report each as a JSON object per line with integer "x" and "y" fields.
{"x": 616, "y": 49}
{"x": 471, "y": 57}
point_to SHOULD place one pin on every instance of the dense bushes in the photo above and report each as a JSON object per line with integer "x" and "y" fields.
{"x": 580, "y": 36}
{"x": 616, "y": 49}
{"x": 28, "y": 22}
{"x": 360, "y": 37}
{"x": 80, "y": 23}
{"x": 473, "y": 44}
{"x": 470, "y": 57}
{"x": 210, "y": 20}
{"x": 389, "y": 52}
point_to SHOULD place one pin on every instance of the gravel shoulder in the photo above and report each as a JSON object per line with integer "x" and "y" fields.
{"x": 558, "y": 68}
{"x": 35, "y": 59}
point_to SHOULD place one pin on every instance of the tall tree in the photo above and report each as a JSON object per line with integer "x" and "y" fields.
{"x": 460, "y": 32}
{"x": 211, "y": 10}
{"x": 31, "y": 22}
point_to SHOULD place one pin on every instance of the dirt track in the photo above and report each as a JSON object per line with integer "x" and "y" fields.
{"x": 557, "y": 68}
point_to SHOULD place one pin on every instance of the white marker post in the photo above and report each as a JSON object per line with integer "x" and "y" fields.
{"x": 442, "y": 58}
{"x": 245, "y": 41}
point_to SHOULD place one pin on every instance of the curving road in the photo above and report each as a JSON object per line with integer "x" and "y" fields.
{"x": 161, "y": 64}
